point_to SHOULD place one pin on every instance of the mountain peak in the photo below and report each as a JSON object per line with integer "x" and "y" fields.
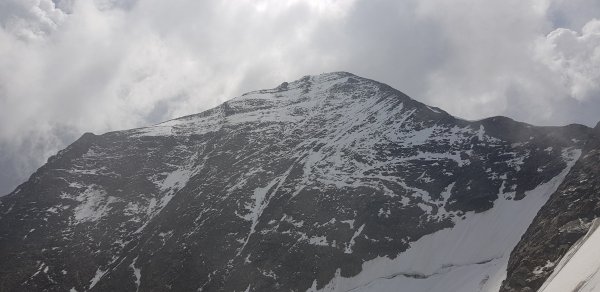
{"x": 331, "y": 98}
{"x": 320, "y": 80}
{"x": 301, "y": 185}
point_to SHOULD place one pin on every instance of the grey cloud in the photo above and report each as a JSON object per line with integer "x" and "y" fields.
{"x": 29, "y": 19}
{"x": 572, "y": 14}
{"x": 68, "y": 67}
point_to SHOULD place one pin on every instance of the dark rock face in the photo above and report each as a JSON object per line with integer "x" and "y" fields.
{"x": 564, "y": 219}
{"x": 270, "y": 191}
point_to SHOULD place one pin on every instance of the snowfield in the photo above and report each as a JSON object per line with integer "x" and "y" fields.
{"x": 471, "y": 256}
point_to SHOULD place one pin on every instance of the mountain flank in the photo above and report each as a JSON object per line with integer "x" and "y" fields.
{"x": 331, "y": 182}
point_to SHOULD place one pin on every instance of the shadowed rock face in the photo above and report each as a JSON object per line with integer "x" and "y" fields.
{"x": 564, "y": 219}
{"x": 272, "y": 191}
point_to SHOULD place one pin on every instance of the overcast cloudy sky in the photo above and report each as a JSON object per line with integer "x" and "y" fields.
{"x": 73, "y": 66}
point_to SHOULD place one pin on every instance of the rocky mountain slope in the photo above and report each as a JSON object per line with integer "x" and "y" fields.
{"x": 560, "y": 223}
{"x": 331, "y": 182}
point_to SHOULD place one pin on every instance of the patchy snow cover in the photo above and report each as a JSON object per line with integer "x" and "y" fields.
{"x": 95, "y": 204}
{"x": 260, "y": 201}
{"x": 137, "y": 273}
{"x": 99, "y": 274}
{"x": 318, "y": 240}
{"x": 348, "y": 248}
{"x": 173, "y": 182}
{"x": 471, "y": 256}
{"x": 579, "y": 269}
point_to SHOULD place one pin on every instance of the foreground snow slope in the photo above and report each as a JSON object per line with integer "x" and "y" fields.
{"x": 579, "y": 269}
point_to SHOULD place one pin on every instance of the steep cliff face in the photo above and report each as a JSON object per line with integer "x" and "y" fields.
{"x": 560, "y": 223}
{"x": 302, "y": 187}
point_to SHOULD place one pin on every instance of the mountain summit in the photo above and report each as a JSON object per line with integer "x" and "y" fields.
{"x": 332, "y": 183}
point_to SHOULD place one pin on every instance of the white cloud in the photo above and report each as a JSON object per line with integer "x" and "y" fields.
{"x": 574, "y": 58}
{"x": 489, "y": 54}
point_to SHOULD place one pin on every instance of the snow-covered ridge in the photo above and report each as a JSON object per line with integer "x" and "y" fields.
{"x": 288, "y": 103}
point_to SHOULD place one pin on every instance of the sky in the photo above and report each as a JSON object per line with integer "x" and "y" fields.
{"x": 73, "y": 66}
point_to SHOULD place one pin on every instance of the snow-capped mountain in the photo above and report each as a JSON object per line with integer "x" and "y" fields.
{"x": 328, "y": 183}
